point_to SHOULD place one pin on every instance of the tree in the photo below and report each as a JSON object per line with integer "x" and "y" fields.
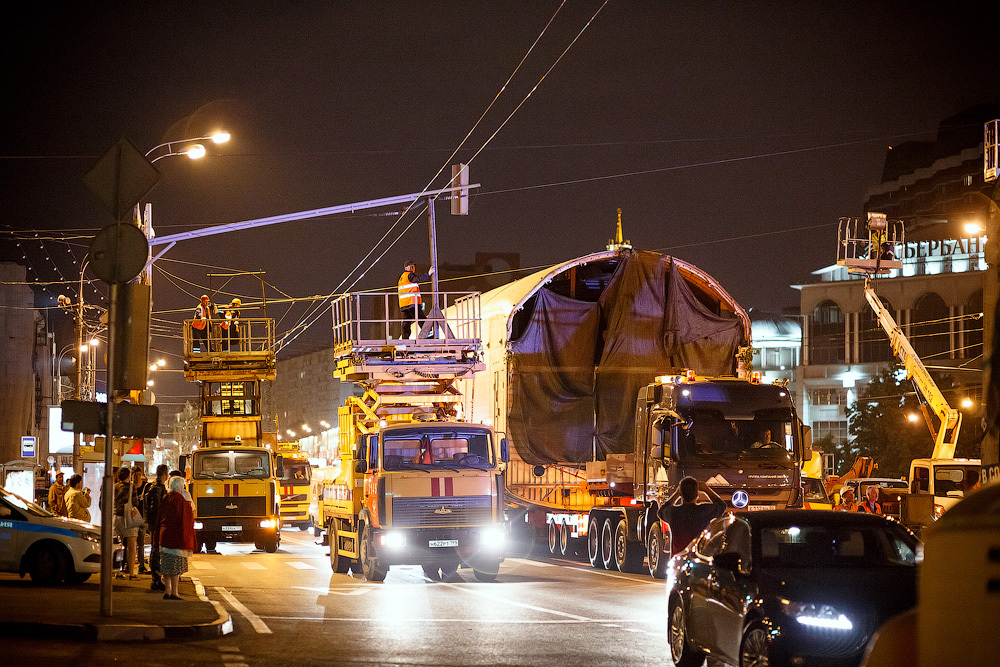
{"x": 880, "y": 428}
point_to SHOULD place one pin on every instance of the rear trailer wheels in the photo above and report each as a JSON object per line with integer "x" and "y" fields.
{"x": 594, "y": 543}
{"x": 628, "y": 554}
{"x": 371, "y": 568}
{"x": 338, "y": 563}
{"x": 608, "y": 545}
{"x": 553, "y": 537}
{"x": 656, "y": 555}
{"x": 564, "y": 548}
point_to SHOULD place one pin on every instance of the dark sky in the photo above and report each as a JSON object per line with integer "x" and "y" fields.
{"x": 732, "y": 134}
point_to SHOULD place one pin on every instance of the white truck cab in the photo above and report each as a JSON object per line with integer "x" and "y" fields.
{"x": 948, "y": 480}
{"x": 51, "y": 549}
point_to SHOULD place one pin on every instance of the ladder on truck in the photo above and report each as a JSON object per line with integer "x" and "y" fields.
{"x": 405, "y": 378}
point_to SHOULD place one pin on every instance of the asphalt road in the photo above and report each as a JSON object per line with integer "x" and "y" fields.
{"x": 290, "y": 609}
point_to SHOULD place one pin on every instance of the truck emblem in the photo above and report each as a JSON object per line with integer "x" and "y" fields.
{"x": 443, "y": 510}
{"x": 231, "y": 506}
{"x": 718, "y": 480}
{"x": 741, "y": 499}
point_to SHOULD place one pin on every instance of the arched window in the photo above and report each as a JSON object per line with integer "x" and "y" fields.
{"x": 929, "y": 327}
{"x": 973, "y": 327}
{"x": 826, "y": 334}
{"x": 874, "y": 342}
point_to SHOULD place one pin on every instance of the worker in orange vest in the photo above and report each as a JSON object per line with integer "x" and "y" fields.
{"x": 409, "y": 297}
{"x": 871, "y": 504}
{"x": 201, "y": 324}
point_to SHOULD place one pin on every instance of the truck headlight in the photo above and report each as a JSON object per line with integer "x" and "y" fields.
{"x": 198, "y": 525}
{"x": 492, "y": 538}
{"x": 817, "y": 615}
{"x": 269, "y": 523}
{"x": 393, "y": 540}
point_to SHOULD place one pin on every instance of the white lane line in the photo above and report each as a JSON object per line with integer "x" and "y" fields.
{"x": 513, "y": 621}
{"x": 301, "y": 566}
{"x": 605, "y": 573}
{"x": 523, "y": 605}
{"x": 255, "y": 621}
{"x": 525, "y": 561}
{"x": 202, "y": 565}
{"x": 250, "y": 565}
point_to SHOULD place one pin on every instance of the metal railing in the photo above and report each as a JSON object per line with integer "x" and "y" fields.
{"x": 252, "y": 338}
{"x": 373, "y": 318}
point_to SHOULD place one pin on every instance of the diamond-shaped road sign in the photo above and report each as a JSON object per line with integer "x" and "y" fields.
{"x": 121, "y": 178}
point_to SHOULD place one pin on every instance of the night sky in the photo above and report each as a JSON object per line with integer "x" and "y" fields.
{"x": 732, "y": 134}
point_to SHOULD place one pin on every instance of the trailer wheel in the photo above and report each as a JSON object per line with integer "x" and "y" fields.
{"x": 655, "y": 553}
{"x": 628, "y": 554}
{"x": 594, "y": 543}
{"x": 553, "y": 537}
{"x": 608, "y": 545}
{"x": 563, "y": 539}
{"x": 338, "y": 563}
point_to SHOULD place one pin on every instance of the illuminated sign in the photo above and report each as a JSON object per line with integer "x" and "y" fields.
{"x": 941, "y": 248}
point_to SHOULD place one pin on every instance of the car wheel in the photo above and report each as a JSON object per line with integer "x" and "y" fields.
{"x": 594, "y": 543}
{"x": 755, "y": 649}
{"x": 370, "y": 567}
{"x": 628, "y": 555}
{"x": 338, "y": 563}
{"x": 655, "y": 555}
{"x": 681, "y": 651}
{"x": 47, "y": 566}
{"x": 608, "y": 546}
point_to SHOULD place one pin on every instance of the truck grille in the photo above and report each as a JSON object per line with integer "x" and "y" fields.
{"x": 442, "y": 511}
{"x": 232, "y": 506}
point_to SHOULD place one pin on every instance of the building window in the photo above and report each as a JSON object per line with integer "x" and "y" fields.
{"x": 874, "y": 342}
{"x": 929, "y": 327}
{"x": 837, "y": 429}
{"x": 826, "y": 334}
{"x": 828, "y": 396}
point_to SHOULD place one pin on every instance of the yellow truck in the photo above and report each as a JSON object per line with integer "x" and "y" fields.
{"x": 294, "y": 485}
{"x": 416, "y": 484}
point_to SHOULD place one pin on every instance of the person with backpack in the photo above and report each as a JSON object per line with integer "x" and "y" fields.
{"x": 151, "y": 505}
{"x": 141, "y": 486}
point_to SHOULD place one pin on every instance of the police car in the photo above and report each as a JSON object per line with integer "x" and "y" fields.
{"x": 52, "y": 549}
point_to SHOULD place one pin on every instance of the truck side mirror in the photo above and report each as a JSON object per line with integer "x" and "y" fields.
{"x": 182, "y": 464}
{"x": 361, "y": 466}
{"x": 504, "y": 450}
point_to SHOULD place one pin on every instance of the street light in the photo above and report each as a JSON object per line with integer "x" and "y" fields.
{"x": 190, "y": 148}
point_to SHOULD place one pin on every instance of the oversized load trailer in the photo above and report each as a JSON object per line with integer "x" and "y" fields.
{"x": 567, "y": 351}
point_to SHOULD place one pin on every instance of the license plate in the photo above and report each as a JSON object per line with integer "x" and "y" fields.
{"x": 760, "y": 508}
{"x": 232, "y": 528}
{"x": 443, "y": 543}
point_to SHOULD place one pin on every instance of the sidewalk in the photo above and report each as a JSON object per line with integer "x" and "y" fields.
{"x": 138, "y": 614}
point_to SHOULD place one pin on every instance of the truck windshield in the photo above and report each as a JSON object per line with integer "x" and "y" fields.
{"x": 951, "y": 478}
{"x": 231, "y": 465}
{"x": 437, "y": 449}
{"x": 295, "y": 472}
{"x": 766, "y": 437}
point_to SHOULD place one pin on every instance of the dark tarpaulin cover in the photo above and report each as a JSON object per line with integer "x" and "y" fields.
{"x": 552, "y": 381}
{"x": 650, "y": 322}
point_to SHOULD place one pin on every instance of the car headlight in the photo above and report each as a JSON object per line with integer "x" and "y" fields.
{"x": 816, "y": 615}
{"x": 492, "y": 537}
{"x": 87, "y": 535}
{"x": 393, "y": 540}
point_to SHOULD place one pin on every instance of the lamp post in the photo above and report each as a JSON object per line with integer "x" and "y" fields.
{"x": 191, "y": 147}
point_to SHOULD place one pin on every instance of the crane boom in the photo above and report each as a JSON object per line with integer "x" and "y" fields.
{"x": 950, "y": 419}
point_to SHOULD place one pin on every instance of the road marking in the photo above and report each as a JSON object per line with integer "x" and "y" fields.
{"x": 513, "y": 621}
{"x": 605, "y": 573}
{"x": 255, "y": 621}
{"x": 524, "y": 605}
{"x": 525, "y": 561}
{"x": 301, "y": 566}
{"x": 202, "y": 565}
{"x": 250, "y": 565}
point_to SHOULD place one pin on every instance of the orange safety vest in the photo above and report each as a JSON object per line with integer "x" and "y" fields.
{"x": 409, "y": 292}
{"x": 202, "y": 315}
{"x": 863, "y": 507}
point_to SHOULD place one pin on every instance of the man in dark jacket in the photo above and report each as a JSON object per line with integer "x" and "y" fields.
{"x": 154, "y": 495}
{"x": 688, "y": 519}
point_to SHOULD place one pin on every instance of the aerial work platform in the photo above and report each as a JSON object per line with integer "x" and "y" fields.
{"x": 220, "y": 358}
{"x": 371, "y": 346}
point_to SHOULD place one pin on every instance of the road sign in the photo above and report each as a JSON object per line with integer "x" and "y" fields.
{"x": 118, "y": 253}
{"x": 121, "y": 178}
{"x": 27, "y": 446}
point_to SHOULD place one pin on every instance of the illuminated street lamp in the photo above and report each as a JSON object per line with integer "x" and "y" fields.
{"x": 966, "y": 402}
{"x": 189, "y": 147}
{"x": 912, "y": 416}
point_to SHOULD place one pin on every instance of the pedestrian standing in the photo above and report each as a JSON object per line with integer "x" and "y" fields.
{"x": 77, "y": 499}
{"x": 688, "y": 519}
{"x": 141, "y": 486}
{"x": 57, "y": 496}
{"x": 201, "y": 324}
{"x": 175, "y": 523}
{"x": 123, "y": 492}
{"x": 151, "y": 503}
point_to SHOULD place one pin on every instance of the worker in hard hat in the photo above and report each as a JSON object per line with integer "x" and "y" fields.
{"x": 231, "y": 326}
{"x": 409, "y": 297}
{"x": 201, "y": 324}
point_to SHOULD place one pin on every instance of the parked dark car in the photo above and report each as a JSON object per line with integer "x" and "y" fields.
{"x": 796, "y": 587}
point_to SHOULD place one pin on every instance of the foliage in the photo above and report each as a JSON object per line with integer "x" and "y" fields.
{"x": 880, "y": 428}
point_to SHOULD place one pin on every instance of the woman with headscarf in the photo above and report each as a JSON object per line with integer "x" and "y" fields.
{"x": 175, "y": 525}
